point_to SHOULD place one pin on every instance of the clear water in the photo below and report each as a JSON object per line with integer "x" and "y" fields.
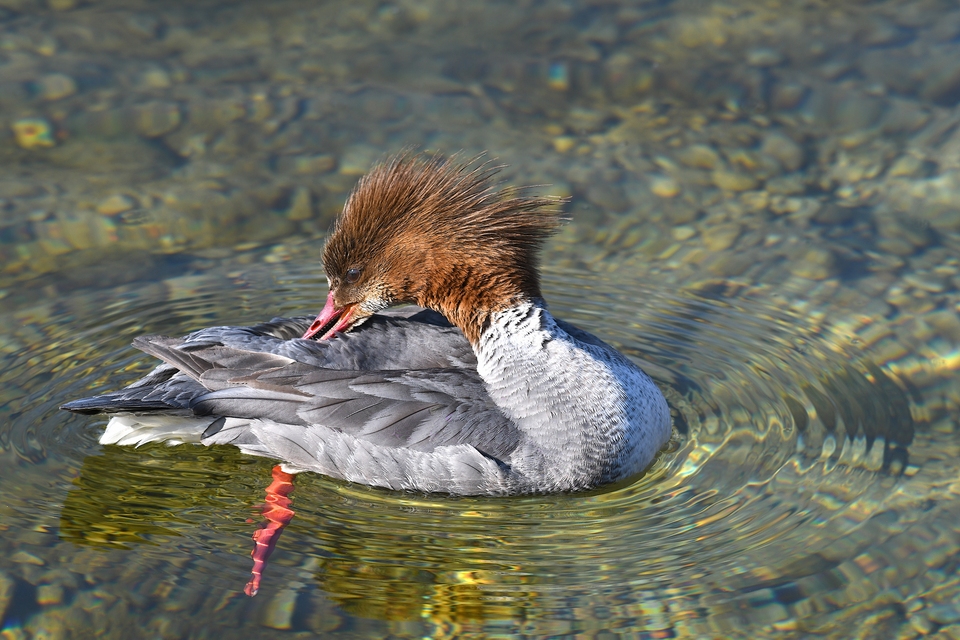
{"x": 750, "y": 518}
{"x": 812, "y": 488}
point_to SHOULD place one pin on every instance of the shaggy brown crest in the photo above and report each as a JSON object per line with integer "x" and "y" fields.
{"x": 441, "y": 234}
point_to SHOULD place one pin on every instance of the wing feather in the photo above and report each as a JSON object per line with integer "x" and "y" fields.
{"x": 395, "y": 382}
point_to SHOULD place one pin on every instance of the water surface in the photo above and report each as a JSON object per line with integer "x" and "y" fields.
{"x": 764, "y": 217}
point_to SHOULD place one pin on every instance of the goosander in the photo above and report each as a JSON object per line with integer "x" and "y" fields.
{"x": 478, "y": 391}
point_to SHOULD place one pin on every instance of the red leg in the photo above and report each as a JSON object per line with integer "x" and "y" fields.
{"x": 278, "y": 514}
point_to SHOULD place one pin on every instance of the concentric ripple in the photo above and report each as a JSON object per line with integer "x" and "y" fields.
{"x": 776, "y": 498}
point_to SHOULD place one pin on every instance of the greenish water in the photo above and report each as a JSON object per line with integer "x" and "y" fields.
{"x": 765, "y": 215}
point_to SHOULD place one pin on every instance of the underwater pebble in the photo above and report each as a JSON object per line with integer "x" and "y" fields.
{"x": 56, "y": 86}
{"x": 155, "y": 78}
{"x": 698, "y": 31}
{"x": 951, "y": 632}
{"x": 683, "y": 232}
{"x": 155, "y": 119}
{"x": 904, "y": 116}
{"x": 947, "y": 323}
{"x": 259, "y": 107}
{"x": 891, "y": 228}
{"x": 33, "y": 133}
{"x": 623, "y": 77}
{"x": 733, "y": 181}
{"x": 789, "y": 95}
{"x": 721, "y": 237}
{"x": 664, "y": 186}
{"x": 24, "y": 557}
{"x": 925, "y": 281}
{"x": 755, "y": 200}
{"x": 681, "y": 213}
{"x": 582, "y": 120}
{"x": 785, "y": 185}
{"x": 907, "y": 165}
{"x": 943, "y": 83}
{"x": 357, "y": 159}
{"x": 945, "y": 613}
{"x": 832, "y": 213}
{"x": 306, "y": 165}
{"x": 279, "y": 610}
{"x": 746, "y": 160}
{"x": 164, "y": 626}
{"x": 731, "y": 264}
{"x": 608, "y": 197}
{"x": 896, "y": 246}
{"x": 60, "y": 624}
{"x": 782, "y": 205}
{"x": 117, "y": 203}
{"x": 668, "y": 253}
{"x": 880, "y": 32}
{"x": 764, "y": 57}
{"x": 48, "y": 594}
{"x": 784, "y": 150}
{"x": 301, "y": 204}
{"x": 562, "y": 144}
{"x": 921, "y": 624}
{"x": 699, "y": 156}
{"x": 143, "y": 25}
{"x": 7, "y": 585}
{"x": 834, "y": 69}
{"x": 815, "y": 264}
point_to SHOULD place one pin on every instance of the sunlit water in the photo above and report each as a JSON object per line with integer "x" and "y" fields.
{"x": 764, "y": 215}
{"x": 776, "y": 499}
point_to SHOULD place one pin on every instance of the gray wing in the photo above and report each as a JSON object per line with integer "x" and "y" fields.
{"x": 164, "y": 389}
{"x": 405, "y": 338}
{"x": 415, "y": 409}
{"x": 419, "y": 410}
{"x": 399, "y": 382}
{"x": 411, "y": 338}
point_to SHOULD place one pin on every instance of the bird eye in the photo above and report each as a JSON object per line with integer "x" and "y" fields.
{"x": 352, "y": 275}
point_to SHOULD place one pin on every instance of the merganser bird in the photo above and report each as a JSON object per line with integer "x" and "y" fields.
{"x": 480, "y": 392}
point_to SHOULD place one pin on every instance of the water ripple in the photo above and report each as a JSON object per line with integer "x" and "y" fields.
{"x": 786, "y": 454}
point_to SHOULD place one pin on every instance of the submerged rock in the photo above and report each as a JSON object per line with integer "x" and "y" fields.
{"x": 7, "y": 585}
{"x": 357, "y": 159}
{"x": 733, "y": 181}
{"x": 33, "y": 133}
{"x": 56, "y": 86}
{"x": 301, "y": 204}
{"x": 664, "y": 186}
{"x": 815, "y": 264}
{"x": 722, "y": 236}
{"x": 764, "y": 57}
{"x": 784, "y": 150}
{"x": 49, "y": 594}
{"x": 117, "y": 203}
{"x": 699, "y": 156}
{"x": 155, "y": 119}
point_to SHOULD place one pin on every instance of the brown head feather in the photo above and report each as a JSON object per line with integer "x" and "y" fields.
{"x": 441, "y": 234}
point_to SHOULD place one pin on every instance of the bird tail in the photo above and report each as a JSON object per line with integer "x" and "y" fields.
{"x": 126, "y": 429}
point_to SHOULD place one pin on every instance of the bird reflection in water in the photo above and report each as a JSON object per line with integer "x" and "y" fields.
{"x": 277, "y": 514}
